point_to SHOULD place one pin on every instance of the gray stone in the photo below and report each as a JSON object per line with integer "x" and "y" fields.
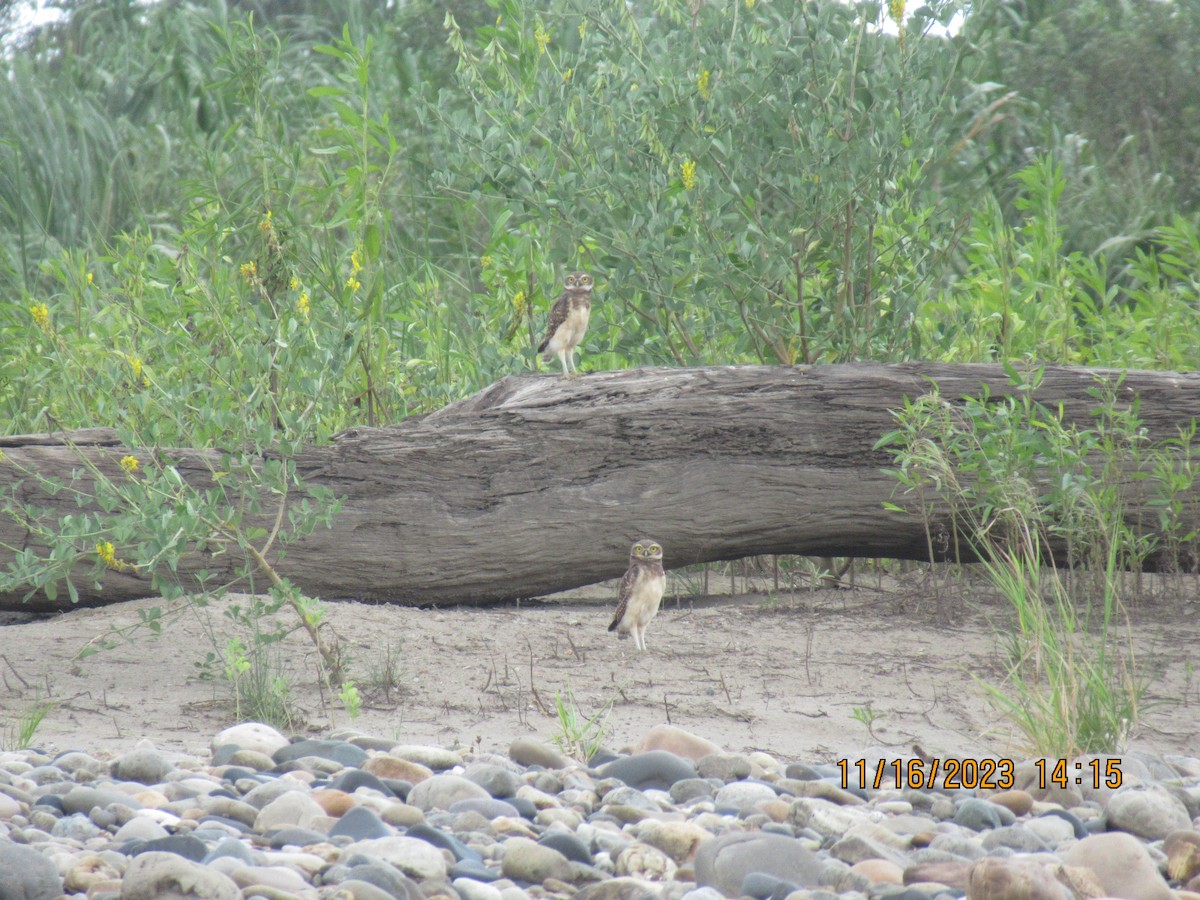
{"x": 355, "y": 889}
{"x": 342, "y": 752}
{"x": 475, "y": 871}
{"x": 724, "y": 766}
{"x": 143, "y": 765}
{"x": 618, "y": 889}
{"x": 568, "y": 845}
{"x": 139, "y": 828}
{"x": 743, "y": 795}
{"x": 690, "y": 789}
{"x": 292, "y": 808}
{"x": 443, "y": 791}
{"x": 525, "y": 860}
{"x": 294, "y": 837}
{"x": 412, "y": 856}
{"x": 166, "y": 876}
{"x": 1121, "y": 864}
{"x": 76, "y": 827}
{"x": 627, "y": 796}
{"x": 487, "y": 807}
{"x": 360, "y": 823}
{"x": 1149, "y": 812}
{"x": 1012, "y": 879}
{"x": 469, "y": 889}
{"x": 445, "y": 841}
{"x": 527, "y": 751}
{"x": 25, "y": 874}
{"x": 185, "y": 845}
{"x": 726, "y": 860}
{"x": 652, "y": 769}
{"x": 762, "y": 886}
{"x": 437, "y": 758}
{"x": 1016, "y": 837}
{"x": 375, "y": 873}
{"x": 228, "y": 808}
{"x": 80, "y": 765}
{"x": 251, "y": 736}
{"x": 231, "y": 847}
{"x": 496, "y": 780}
{"x": 978, "y": 815}
{"x": 82, "y": 799}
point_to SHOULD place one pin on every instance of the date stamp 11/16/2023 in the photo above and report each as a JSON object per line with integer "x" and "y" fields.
{"x": 984, "y": 773}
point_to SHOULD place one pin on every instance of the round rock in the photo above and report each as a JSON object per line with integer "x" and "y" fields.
{"x": 412, "y": 856}
{"x": 443, "y": 791}
{"x": 527, "y": 751}
{"x": 155, "y": 875}
{"x": 251, "y": 736}
{"x": 528, "y": 861}
{"x": 1148, "y": 812}
{"x": 653, "y": 769}
{"x": 678, "y": 742}
{"x": 26, "y": 873}
{"x": 726, "y": 860}
{"x": 993, "y": 877}
{"x": 1121, "y": 864}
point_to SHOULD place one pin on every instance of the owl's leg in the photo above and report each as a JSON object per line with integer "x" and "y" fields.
{"x": 562, "y": 358}
{"x": 638, "y": 637}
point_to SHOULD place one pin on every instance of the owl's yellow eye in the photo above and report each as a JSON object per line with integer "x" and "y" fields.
{"x": 585, "y": 279}
{"x": 570, "y": 281}
{"x": 654, "y": 548}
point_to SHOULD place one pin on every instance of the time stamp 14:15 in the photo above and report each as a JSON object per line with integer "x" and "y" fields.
{"x": 971, "y": 774}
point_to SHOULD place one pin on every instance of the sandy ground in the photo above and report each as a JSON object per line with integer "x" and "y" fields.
{"x": 799, "y": 675}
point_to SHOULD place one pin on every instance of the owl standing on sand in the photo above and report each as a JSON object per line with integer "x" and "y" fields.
{"x": 568, "y": 321}
{"x": 641, "y": 592}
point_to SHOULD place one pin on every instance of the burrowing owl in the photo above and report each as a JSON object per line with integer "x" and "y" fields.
{"x": 568, "y": 321}
{"x": 641, "y": 592}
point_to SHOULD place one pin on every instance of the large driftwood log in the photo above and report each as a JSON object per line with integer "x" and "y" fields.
{"x": 539, "y": 484}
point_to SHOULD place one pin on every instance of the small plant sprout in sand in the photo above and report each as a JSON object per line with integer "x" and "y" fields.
{"x": 579, "y": 737}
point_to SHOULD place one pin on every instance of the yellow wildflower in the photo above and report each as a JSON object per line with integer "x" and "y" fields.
{"x": 108, "y": 556}
{"x": 688, "y": 171}
{"x": 702, "y": 84}
{"x": 519, "y": 302}
{"x": 294, "y": 284}
{"x": 302, "y": 305}
{"x": 750, "y": 4}
{"x": 266, "y": 226}
{"x": 485, "y": 262}
{"x": 356, "y": 265}
{"x": 353, "y": 283}
{"x": 249, "y": 271}
{"x": 135, "y": 365}
{"x": 130, "y": 464}
{"x": 582, "y": 28}
{"x": 41, "y": 315}
{"x": 567, "y": 74}
{"x": 542, "y": 38}
{"x": 90, "y": 278}
{"x": 896, "y": 10}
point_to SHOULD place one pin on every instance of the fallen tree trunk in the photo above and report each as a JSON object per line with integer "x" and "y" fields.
{"x": 540, "y": 484}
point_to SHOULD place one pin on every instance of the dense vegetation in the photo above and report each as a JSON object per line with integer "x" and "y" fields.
{"x": 333, "y": 224}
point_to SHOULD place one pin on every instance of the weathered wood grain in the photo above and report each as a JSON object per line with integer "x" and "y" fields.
{"x": 539, "y": 484}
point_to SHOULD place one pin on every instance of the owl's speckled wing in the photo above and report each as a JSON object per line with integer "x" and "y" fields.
{"x": 558, "y": 316}
{"x": 623, "y": 594}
